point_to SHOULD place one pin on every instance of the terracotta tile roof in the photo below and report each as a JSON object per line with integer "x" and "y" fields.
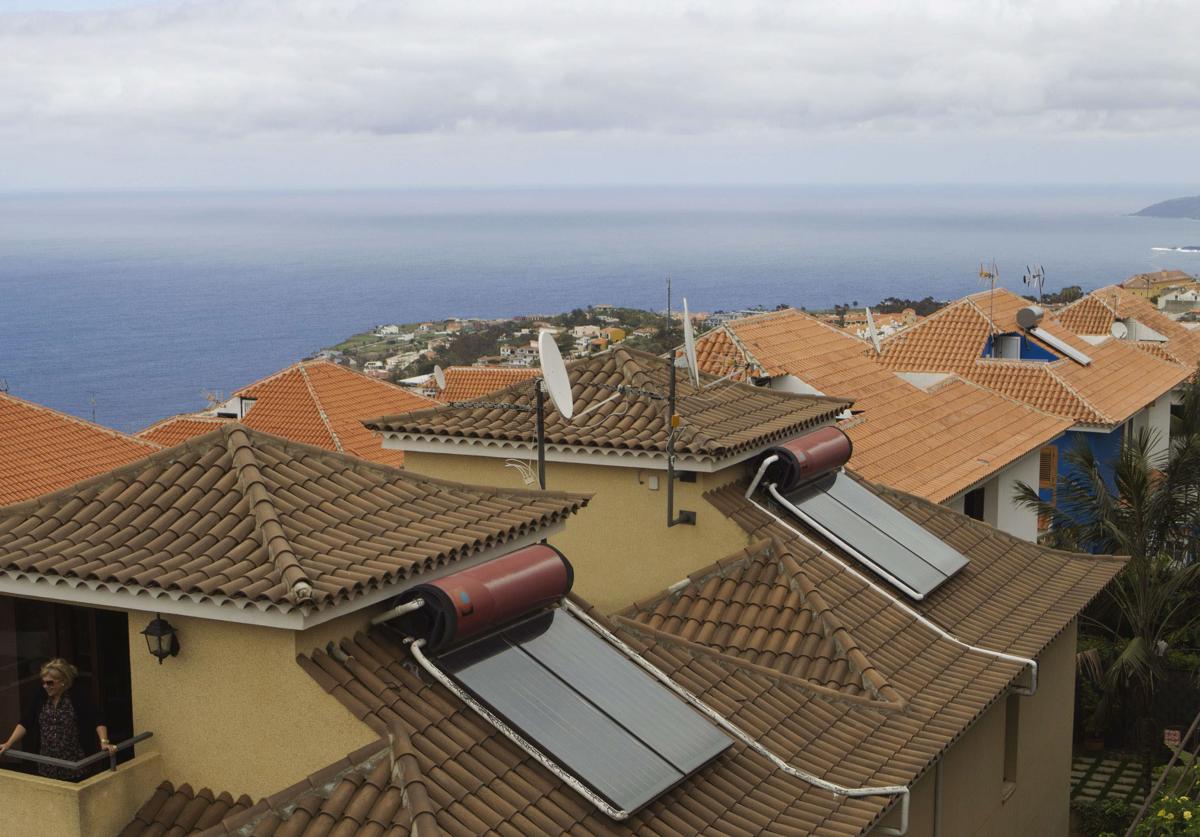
{"x": 373, "y": 791}
{"x": 323, "y": 404}
{"x": 42, "y": 449}
{"x": 725, "y": 420}
{"x": 952, "y": 339}
{"x": 756, "y": 607}
{"x": 933, "y": 443}
{"x": 241, "y": 516}
{"x": 171, "y": 431}
{"x": 464, "y": 383}
{"x": 175, "y": 812}
{"x": 1120, "y": 380}
{"x": 1155, "y": 280}
{"x": 1014, "y": 596}
{"x": 941, "y": 443}
{"x": 1096, "y": 312}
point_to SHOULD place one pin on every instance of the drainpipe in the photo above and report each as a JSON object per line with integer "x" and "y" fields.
{"x": 937, "y": 798}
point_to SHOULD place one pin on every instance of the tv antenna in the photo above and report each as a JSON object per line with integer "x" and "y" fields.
{"x": 3, "y": 384}
{"x": 92, "y": 402}
{"x": 1035, "y": 277}
{"x": 990, "y": 275}
{"x": 553, "y": 381}
{"x": 872, "y": 332}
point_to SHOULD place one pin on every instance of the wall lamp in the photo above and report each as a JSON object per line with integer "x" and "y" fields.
{"x": 161, "y": 638}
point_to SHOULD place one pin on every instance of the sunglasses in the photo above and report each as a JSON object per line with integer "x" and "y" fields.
{"x": 49, "y": 682}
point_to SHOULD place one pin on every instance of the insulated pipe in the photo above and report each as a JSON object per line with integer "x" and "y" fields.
{"x": 738, "y": 733}
{"x": 915, "y": 614}
{"x": 398, "y": 610}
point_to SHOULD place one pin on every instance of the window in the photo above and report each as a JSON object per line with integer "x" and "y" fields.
{"x": 1012, "y": 732}
{"x": 1047, "y": 482}
{"x": 973, "y": 503}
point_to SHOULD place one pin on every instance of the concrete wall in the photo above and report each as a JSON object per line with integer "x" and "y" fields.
{"x": 619, "y": 545}
{"x": 31, "y": 806}
{"x": 976, "y": 800}
{"x": 232, "y": 684}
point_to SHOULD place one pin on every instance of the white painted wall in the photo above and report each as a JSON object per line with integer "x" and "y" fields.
{"x": 999, "y": 507}
{"x": 1159, "y": 420}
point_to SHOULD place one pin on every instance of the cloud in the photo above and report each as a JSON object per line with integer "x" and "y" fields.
{"x": 397, "y": 91}
{"x": 232, "y": 68}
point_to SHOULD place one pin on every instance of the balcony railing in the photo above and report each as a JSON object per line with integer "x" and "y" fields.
{"x": 85, "y": 762}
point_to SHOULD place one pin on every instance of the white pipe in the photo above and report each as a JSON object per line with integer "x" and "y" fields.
{"x": 762, "y": 470}
{"x": 514, "y": 736}
{"x": 398, "y": 610}
{"x": 741, "y": 735}
{"x": 915, "y": 614}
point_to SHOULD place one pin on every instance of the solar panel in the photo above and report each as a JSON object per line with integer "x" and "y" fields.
{"x": 876, "y": 533}
{"x": 588, "y": 707}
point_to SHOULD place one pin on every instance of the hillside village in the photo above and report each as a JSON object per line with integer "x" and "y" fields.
{"x": 842, "y": 587}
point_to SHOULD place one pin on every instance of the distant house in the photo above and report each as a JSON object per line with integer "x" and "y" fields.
{"x": 387, "y": 330}
{"x": 1180, "y": 300}
{"x": 453, "y": 327}
{"x": 1151, "y": 285}
{"x": 402, "y": 360}
{"x": 425, "y": 328}
{"x": 585, "y": 331}
{"x": 613, "y": 334}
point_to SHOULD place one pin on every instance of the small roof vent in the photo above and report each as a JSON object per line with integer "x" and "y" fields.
{"x": 1030, "y": 316}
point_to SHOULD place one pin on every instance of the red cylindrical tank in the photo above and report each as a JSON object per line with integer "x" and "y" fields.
{"x": 469, "y": 602}
{"x": 807, "y": 457}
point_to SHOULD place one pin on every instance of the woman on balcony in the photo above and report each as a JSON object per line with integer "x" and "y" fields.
{"x": 61, "y": 720}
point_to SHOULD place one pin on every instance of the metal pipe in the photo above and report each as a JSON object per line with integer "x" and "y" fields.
{"x": 514, "y": 736}
{"x": 541, "y": 431}
{"x": 398, "y": 610}
{"x": 671, "y": 442}
{"x": 720, "y": 720}
{"x": 82, "y": 763}
{"x": 913, "y": 612}
{"x": 937, "y": 798}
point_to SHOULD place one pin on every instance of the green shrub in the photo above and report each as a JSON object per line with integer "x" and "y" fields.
{"x": 1098, "y": 817}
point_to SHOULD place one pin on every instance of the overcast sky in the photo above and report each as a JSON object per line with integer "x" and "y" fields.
{"x": 381, "y": 93}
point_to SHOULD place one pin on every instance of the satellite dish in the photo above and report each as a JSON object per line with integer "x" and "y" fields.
{"x": 871, "y": 330}
{"x": 1119, "y": 330}
{"x": 554, "y": 375}
{"x": 689, "y": 345}
{"x": 439, "y": 378}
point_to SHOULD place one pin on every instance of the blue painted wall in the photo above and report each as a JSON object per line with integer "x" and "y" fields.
{"x": 1029, "y": 349}
{"x": 1105, "y": 446}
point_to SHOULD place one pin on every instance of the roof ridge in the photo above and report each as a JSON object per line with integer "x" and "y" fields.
{"x": 91, "y": 425}
{"x": 954, "y": 376}
{"x": 252, "y": 484}
{"x": 207, "y": 418}
{"x": 748, "y": 357}
{"x": 873, "y": 680}
{"x": 924, "y": 321}
{"x": 312, "y": 393}
{"x": 1053, "y": 373}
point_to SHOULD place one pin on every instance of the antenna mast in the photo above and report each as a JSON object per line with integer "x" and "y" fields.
{"x": 990, "y": 276}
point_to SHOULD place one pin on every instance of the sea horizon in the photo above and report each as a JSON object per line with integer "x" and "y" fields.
{"x": 145, "y": 301}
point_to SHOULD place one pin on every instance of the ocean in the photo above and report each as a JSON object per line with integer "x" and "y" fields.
{"x": 130, "y": 307}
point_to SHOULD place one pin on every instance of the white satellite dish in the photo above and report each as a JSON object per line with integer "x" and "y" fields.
{"x": 1119, "y": 330}
{"x": 689, "y": 345}
{"x": 872, "y": 331}
{"x": 439, "y": 378}
{"x": 554, "y": 375}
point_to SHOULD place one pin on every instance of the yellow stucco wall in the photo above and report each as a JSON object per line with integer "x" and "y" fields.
{"x": 31, "y": 806}
{"x": 973, "y": 798}
{"x": 232, "y": 684}
{"x": 619, "y": 545}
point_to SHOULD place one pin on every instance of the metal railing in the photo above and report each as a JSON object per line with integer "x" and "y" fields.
{"x": 82, "y": 763}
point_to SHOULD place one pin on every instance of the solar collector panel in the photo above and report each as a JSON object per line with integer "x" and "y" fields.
{"x": 587, "y": 707}
{"x": 876, "y": 533}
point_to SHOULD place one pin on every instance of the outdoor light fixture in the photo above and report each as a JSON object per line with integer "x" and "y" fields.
{"x": 161, "y": 638}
